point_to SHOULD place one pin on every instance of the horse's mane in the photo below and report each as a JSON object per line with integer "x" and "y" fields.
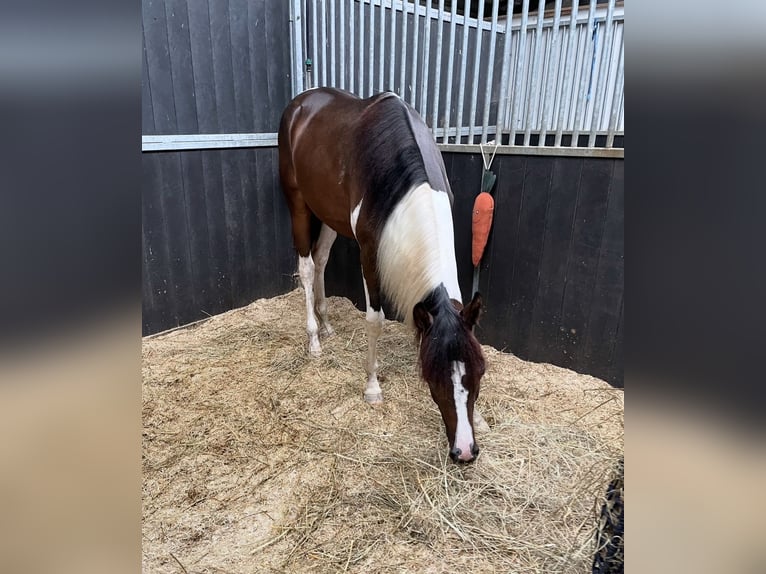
{"x": 397, "y": 160}
{"x": 389, "y": 155}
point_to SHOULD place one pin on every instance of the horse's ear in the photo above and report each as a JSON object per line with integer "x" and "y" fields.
{"x": 471, "y": 312}
{"x": 421, "y": 317}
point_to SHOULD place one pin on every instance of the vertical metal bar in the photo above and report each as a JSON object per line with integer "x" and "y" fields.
{"x": 505, "y": 67}
{"x": 296, "y": 41}
{"x": 371, "y": 62}
{"x": 516, "y": 97}
{"x": 461, "y": 85}
{"x": 315, "y": 43}
{"x": 324, "y": 44}
{"x": 564, "y": 102}
{"x": 532, "y": 95}
{"x": 361, "y": 49}
{"x": 550, "y": 81}
{"x": 558, "y": 92}
{"x": 351, "y": 45}
{"x": 342, "y": 83}
{"x": 603, "y": 74}
{"x": 475, "y": 83}
{"x": 415, "y": 58}
{"x": 333, "y": 77}
{"x": 403, "y": 69}
{"x": 426, "y": 62}
{"x": 438, "y": 71}
{"x": 609, "y": 89}
{"x": 584, "y": 75}
{"x": 381, "y": 51}
{"x": 450, "y": 69}
{"x": 616, "y": 97}
{"x": 392, "y": 50}
{"x": 621, "y": 118}
{"x": 490, "y": 70}
{"x": 463, "y": 65}
{"x": 580, "y": 50}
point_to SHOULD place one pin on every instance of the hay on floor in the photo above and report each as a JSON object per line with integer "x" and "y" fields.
{"x": 257, "y": 458}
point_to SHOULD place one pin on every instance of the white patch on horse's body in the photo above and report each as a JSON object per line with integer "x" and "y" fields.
{"x": 306, "y": 271}
{"x": 464, "y": 433}
{"x": 417, "y": 249}
{"x": 372, "y": 392}
{"x": 355, "y": 216}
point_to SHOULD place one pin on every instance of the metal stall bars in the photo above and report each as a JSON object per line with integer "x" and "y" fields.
{"x": 560, "y": 70}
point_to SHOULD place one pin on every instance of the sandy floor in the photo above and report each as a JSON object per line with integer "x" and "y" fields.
{"x": 259, "y": 459}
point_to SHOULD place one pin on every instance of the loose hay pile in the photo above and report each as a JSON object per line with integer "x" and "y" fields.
{"x": 259, "y": 459}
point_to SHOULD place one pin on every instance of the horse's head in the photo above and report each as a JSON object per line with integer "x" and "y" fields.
{"x": 452, "y": 364}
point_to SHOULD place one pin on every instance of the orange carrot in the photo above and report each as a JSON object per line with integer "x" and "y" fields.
{"x": 482, "y": 222}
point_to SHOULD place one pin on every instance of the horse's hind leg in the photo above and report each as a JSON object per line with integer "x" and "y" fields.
{"x": 301, "y": 224}
{"x": 321, "y": 253}
{"x": 306, "y": 272}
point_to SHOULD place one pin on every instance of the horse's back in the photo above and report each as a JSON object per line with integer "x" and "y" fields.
{"x": 336, "y": 148}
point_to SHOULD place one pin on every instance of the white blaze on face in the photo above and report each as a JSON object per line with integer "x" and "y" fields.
{"x": 464, "y": 433}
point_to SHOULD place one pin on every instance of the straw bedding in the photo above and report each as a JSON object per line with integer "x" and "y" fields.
{"x": 257, "y": 458}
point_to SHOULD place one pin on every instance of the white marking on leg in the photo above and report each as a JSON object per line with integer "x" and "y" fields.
{"x": 321, "y": 254}
{"x": 355, "y": 216}
{"x": 372, "y": 392}
{"x": 464, "y": 433}
{"x": 306, "y": 272}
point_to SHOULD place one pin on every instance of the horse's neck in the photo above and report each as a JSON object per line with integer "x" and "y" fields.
{"x": 417, "y": 250}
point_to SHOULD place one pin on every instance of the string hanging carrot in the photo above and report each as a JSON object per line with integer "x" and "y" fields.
{"x": 483, "y": 209}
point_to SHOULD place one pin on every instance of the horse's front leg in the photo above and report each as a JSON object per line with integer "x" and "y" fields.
{"x": 375, "y": 317}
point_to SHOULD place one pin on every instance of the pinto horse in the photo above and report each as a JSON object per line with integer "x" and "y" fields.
{"x": 369, "y": 169}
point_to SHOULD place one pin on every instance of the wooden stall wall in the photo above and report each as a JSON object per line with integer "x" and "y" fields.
{"x": 553, "y": 271}
{"x": 214, "y": 67}
{"x": 215, "y": 229}
{"x": 216, "y": 234}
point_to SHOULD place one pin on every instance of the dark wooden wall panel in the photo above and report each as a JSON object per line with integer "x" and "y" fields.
{"x": 202, "y": 68}
{"x": 216, "y": 233}
{"x": 215, "y": 67}
{"x": 546, "y": 318}
{"x": 583, "y": 257}
{"x": 182, "y": 78}
{"x": 159, "y": 88}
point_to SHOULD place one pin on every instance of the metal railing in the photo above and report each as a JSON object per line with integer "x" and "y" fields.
{"x": 555, "y": 80}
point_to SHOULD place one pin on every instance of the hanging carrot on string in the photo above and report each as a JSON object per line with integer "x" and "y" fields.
{"x": 483, "y": 208}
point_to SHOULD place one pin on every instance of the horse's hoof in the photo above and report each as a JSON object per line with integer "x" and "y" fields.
{"x": 316, "y": 352}
{"x": 328, "y": 331}
{"x": 479, "y": 424}
{"x": 373, "y": 398}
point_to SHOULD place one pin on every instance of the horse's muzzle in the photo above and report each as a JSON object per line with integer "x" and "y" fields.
{"x": 457, "y": 455}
